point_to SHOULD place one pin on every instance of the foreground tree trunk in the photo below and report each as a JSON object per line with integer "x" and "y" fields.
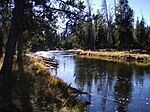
{"x": 19, "y": 47}
{"x": 20, "y": 34}
{"x": 12, "y": 39}
{"x": 1, "y": 44}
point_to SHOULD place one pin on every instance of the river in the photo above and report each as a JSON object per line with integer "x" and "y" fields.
{"x": 114, "y": 87}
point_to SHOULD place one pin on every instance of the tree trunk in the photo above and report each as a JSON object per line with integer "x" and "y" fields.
{"x": 12, "y": 39}
{"x": 20, "y": 34}
{"x": 19, "y": 47}
{"x": 91, "y": 35}
{"x": 1, "y": 44}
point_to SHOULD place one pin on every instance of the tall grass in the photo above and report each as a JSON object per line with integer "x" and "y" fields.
{"x": 115, "y": 56}
{"x": 35, "y": 90}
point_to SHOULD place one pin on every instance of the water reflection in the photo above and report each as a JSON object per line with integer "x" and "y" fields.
{"x": 99, "y": 80}
{"x": 123, "y": 87}
{"x": 120, "y": 87}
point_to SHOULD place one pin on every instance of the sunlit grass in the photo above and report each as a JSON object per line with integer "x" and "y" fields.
{"x": 1, "y": 62}
{"x": 139, "y": 59}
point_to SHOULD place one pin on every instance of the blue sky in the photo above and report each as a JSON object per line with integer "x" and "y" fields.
{"x": 140, "y": 7}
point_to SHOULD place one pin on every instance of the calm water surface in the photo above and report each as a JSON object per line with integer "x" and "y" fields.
{"x": 114, "y": 87}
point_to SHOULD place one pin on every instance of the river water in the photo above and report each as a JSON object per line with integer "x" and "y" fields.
{"x": 114, "y": 87}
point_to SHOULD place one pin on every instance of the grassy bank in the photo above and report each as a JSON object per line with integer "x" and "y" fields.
{"x": 35, "y": 90}
{"x": 115, "y": 56}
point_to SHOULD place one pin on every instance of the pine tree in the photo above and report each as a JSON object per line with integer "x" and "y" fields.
{"x": 147, "y": 36}
{"x": 124, "y": 23}
{"x": 142, "y": 39}
{"x": 139, "y": 33}
{"x": 136, "y": 33}
{"x": 90, "y": 26}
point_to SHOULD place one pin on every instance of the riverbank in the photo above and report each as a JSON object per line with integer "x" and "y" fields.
{"x": 34, "y": 89}
{"x": 115, "y": 55}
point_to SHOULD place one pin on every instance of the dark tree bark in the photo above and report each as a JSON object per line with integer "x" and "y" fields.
{"x": 20, "y": 34}
{"x": 1, "y": 44}
{"x": 12, "y": 38}
{"x": 19, "y": 47}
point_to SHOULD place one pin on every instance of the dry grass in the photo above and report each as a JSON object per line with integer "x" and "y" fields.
{"x": 36, "y": 90}
{"x": 115, "y": 56}
{"x": 1, "y": 61}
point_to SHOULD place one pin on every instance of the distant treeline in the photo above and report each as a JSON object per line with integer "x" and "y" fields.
{"x": 31, "y": 25}
{"x": 105, "y": 29}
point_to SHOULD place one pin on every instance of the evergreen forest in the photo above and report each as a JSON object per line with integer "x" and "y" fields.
{"x": 34, "y": 25}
